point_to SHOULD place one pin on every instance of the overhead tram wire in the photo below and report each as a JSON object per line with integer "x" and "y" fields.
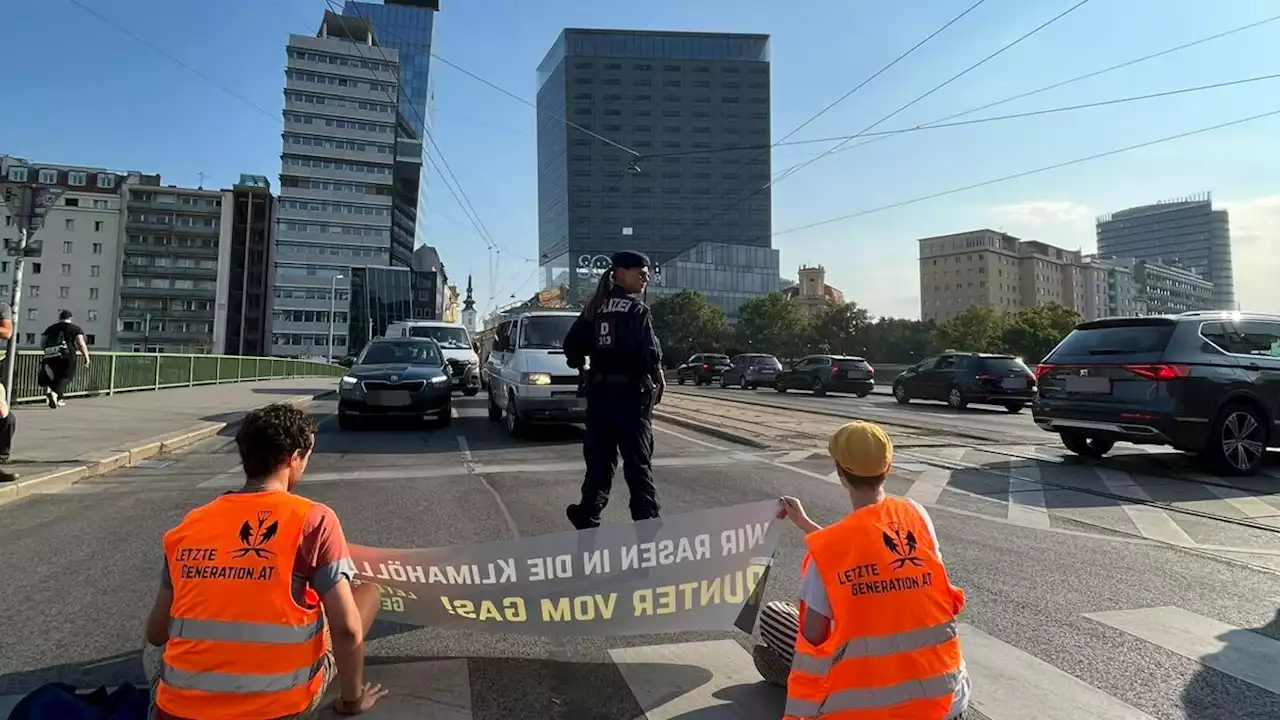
{"x": 953, "y": 78}
{"x": 1086, "y": 76}
{"x": 979, "y": 121}
{"x": 795, "y": 169}
{"x": 857, "y": 87}
{"x": 1026, "y": 173}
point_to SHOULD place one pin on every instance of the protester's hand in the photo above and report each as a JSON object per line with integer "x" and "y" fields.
{"x": 370, "y": 694}
{"x": 792, "y": 509}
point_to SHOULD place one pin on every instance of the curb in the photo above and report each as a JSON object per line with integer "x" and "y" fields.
{"x": 711, "y": 430}
{"x": 103, "y": 462}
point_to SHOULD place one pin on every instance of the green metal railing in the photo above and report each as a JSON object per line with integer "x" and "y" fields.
{"x": 115, "y": 372}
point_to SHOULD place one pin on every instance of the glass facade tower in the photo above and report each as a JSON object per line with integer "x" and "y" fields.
{"x": 407, "y": 26}
{"x": 685, "y": 100}
{"x": 1189, "y": 232}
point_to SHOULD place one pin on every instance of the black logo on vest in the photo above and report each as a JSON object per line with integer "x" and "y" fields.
{"x": 253, "y": 538}
{"x": 902, "y": 545}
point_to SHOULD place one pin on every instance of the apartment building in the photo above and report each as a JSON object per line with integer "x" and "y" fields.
{"x": 996, "y": 270}
{"x": 1110, "y": 290}
{"x": 1171, "y": 288}
{"x": 80, "y": 241}
{"x": 169, "y": 272}
{"x": 244, "y": 269}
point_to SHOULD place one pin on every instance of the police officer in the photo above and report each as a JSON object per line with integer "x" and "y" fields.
{"x": 623, "y": 383}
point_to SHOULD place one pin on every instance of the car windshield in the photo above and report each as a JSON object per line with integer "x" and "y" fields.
{"x": 447, "y": 336}
{"x": 400, "y": 353}
{"x": 545, "y": 331}
{"x": 995, "y": 364}
{"x": 1116, "y": 340}
{"x": 715, "y": 359}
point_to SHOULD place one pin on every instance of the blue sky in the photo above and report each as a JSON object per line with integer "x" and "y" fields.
{"x": 92, "y": 95}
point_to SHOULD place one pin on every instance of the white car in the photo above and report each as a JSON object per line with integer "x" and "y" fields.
{"x": 528, "y": 377}
{"x": 461, "y": 351}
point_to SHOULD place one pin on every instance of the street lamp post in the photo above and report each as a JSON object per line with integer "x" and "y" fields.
{"x": 333, "y": 292}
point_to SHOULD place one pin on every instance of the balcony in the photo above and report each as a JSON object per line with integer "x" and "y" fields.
{"x": 320, "y": 128}
{"x": 370, "y": 156}
{"x": 163, "y": 314}
{"x": 298, "y": 193}
{"x": 357, "y": 93}
{"x": 170, "y": 292}
{"x": 323, "y": 173}
{"x": 169, "y": 271}
{"x": 349, "y": 113}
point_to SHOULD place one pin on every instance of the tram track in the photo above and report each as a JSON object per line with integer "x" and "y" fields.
{"x": 940, "y": 436}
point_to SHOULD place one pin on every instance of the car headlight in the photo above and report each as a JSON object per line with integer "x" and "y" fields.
{"x": 348, "y": 381}
{"x": 535, "y": 379}
{"x": 439, "y": 379}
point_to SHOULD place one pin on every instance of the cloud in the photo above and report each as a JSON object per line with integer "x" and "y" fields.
{"x": 1255, "y": 237}
{"x": 1057, "y": 222}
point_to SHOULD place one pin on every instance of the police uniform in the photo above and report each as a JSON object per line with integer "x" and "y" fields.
{"x": 620, "y": 393}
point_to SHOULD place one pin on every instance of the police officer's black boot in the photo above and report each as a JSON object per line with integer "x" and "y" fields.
{"x": 576, "y": 517}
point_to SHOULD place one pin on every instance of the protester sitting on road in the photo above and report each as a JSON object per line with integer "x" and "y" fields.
{"x": 875, "y": 630}
{"x": 257, "y": 609}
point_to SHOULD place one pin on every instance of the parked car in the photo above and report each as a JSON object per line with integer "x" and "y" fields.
{"x": 1204, "y": 382}
{"x": 529, "y": 380}
{"x": 702, "y": 369}
{"x": 961, "y": 379}
{"x": 396, "y": 377}
{"x": 750, "y": 371}
{"x": 828, "y": 373}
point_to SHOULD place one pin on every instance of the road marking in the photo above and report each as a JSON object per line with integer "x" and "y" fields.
{"x": 1152, "y": 522}
{"x": 682, "y": 436}
{"x": 734, "y": 691}
{"x": 929, "y": 486}
{"x": 1027, "y": 506}
{"x": 464, "y": 448}
{"x": 1242, "y": 654}
{"x": 453, "y": 411}
{"x": 954, "y": 454}
{"x": 795, "y": 456}
{"x": 1248, "y": 504}
{"x": 1009, "y": 684}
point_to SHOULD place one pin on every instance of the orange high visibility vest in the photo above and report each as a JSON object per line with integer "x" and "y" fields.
{"x": 239, "y": 645}
{"x": 893, "y": 652}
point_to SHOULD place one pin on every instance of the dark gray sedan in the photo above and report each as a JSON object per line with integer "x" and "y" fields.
{"x": 396, "y": 377}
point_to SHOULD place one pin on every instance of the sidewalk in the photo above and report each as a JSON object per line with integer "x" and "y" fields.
{"x": 90, "y": 436}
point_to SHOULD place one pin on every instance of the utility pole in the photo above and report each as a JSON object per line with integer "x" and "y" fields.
{"x": 28, "y": 205}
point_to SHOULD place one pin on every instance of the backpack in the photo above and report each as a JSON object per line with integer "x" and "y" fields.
{"x": 56, "y": 344}
{"x": 60, "y": 701}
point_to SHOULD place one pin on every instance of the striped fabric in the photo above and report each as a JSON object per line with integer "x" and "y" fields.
{"x": 779, "y": 623}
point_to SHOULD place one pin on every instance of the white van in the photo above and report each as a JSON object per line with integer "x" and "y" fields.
{"x": 459, "y": 349}
{"x": 529, "y": 380}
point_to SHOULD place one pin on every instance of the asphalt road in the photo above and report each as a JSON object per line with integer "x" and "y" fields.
{"x": 1180, "y": 634}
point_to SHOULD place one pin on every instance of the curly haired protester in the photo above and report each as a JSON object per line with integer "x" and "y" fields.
{"x": 256, "y": 611}
{"x": 874, "y": 636}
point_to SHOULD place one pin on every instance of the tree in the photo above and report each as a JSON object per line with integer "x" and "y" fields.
{"x": 686, "y": 323}
{"x": 772, "y": 324}
{"x": 899, "y": 340}
{"x": 1032, "y": 332}
{"x": 977, "y": 329}
{"x": 839, "y": 329}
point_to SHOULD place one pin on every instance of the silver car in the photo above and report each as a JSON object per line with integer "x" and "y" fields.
{"x": 750, "y": 371}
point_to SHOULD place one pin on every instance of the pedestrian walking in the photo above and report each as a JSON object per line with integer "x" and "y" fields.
{"x": 8, "y": 423}
{"x": 63, "y": 341}
{"x": 623, "y": 382}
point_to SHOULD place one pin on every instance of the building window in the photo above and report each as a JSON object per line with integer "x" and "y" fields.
{"x": 97, "y": 248}
{"x": 100, "y": 205}
{"x": 93, "y": 293}
{"x": 90, "y": 339}
{"x": 33, "y": 313}
{"x": 106, "y": 181}
{"x": 70, "y": 224}
{"x": 66, "y": 246}
{"x": 95, "y": 270}
{"x": 31, "y": 338}
{"x": 93, "y": 317}
{"x": 35, "y": 291}
{"x": 49, "y": 177}
{"x": 64, "y": 292}
{"x": 17, "y": 174}
{"x": 97, "y": 226}
{"x": 66, "y": 269}
{"x": 36, "y": 268}
{"x": 78, "y": 179}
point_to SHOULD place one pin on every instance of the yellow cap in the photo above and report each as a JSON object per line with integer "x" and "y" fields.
{"x": 863, "y": 449}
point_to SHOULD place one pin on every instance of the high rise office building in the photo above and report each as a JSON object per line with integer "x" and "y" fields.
{"x": 694, "y": 205}
{"x": 406, "y": 26}
{"x": 336, "y": 181}
{"x": 244, "y": 270}
{"x": 1187, "y": 232}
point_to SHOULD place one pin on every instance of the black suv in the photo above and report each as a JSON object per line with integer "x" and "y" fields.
{"x": 1206, "y": 382}
{"x": 703, "y": 368}
{"x": 964, "y": 378}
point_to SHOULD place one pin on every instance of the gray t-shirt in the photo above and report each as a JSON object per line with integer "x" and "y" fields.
{"x": 6, "y": 312}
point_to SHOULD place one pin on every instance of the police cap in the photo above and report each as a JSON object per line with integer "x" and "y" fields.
{"x": 629, "y": 259}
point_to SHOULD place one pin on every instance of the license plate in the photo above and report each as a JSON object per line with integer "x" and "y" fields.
{"x": 393, "y": 398}
{"x": 564, "y": 393}
{"x": 1088, "y": 385}
{"x": 858, "y": 374}
{"x": 767, "y": 372}
{"x": 1014, "y": 383}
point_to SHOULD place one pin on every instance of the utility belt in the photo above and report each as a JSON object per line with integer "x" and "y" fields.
{"x": 615, "y": 378}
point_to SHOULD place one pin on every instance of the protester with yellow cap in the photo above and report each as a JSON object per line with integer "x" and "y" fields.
{"x": 874, "y": 636}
